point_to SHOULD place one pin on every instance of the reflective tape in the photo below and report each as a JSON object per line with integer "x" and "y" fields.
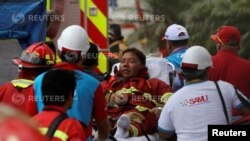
{"x": 58, "y": 133}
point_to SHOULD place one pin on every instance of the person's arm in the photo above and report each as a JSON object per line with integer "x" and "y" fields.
{"x": 245, "y": 110}
{"x": 165, "y": 135}
{"x": 244, "y": 106}
{"x": 165, "y": 123}
{"x": 103, "y": 128}
{"x": 100, "y": 114}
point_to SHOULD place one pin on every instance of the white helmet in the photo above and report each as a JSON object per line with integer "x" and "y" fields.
{"x": 197, "y": 57}
{"x": 74, "y": 38}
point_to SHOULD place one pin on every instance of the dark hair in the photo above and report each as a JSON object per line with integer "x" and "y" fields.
{"x": 57, "y": 85}
{"x": 115, "y": 30}
{"x": 138, "y": 53}
{"x": 179, "y": 42}
{"x": 191, "y": 74}
{"x": 91, "y": 58}
{"x": 70, "y": 56}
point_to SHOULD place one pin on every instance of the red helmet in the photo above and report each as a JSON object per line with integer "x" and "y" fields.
{"x": 35, "y": 56}
{"x": 14, "y": 128}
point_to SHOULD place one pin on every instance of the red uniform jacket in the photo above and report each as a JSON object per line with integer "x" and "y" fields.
{"x": 229, "y": 67}
{"x": 143, "y": 87}
{"x": 19, "y": 96}
{"x": 69, "y": 129}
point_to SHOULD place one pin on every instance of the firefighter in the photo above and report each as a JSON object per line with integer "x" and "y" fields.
{"x": 134, "y": 95}
{"x": 19, "y": 93}
{"x": 89, "y": 100}
{"x": 57, "y": 98}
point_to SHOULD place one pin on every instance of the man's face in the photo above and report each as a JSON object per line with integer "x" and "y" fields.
{"x": 130, "y": 65}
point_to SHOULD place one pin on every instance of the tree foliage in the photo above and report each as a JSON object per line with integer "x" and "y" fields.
{"x": 201, "y": 18}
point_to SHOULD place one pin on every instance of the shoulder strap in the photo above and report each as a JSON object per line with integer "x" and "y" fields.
{"x": 241, "y": 98}
{"x": 222, "y": 102}
{"x": 54, "y": 125}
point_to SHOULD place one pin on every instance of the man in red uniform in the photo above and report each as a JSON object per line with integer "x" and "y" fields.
{"x": 57, "y": 98}
{"x": 132, "y": 95}
{"x": 19, "y": 93}
{"x": 228, "y": 65}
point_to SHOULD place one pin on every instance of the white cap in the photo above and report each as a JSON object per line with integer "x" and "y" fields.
{"x": 176, "y": 32}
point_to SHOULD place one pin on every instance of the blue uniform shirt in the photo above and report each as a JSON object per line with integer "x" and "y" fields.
{"x": 175, "y": 59}
{"x": 83, "y": 97}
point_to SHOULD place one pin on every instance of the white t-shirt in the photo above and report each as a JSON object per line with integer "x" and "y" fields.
{"x": 191, "y": 109}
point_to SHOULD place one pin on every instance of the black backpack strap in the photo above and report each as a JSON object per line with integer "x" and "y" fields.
{"x": 54, "y": 125}
{"x": 242, "y": 99}
{"x": 222, "y": 102}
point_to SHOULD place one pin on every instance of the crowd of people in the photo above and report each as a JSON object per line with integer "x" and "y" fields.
{"x": 69, "y": 99}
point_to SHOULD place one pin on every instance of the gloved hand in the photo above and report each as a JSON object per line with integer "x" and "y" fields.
{"x": 120, "y": 99}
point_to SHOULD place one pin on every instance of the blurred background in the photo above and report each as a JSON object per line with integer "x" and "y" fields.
{"x": 144, "y": 21}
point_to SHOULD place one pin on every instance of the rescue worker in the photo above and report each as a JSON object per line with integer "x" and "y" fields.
{"x": 132, "y": 94}
{"x": 16, "y": 125}
{"x": 116, "y": 44}
{"x": 176, "y": 37}
{"x": 228, "y": 65}
{"x": 89, "y": 101}
{"x": 19, "y": 93}
{"x": 57, "y": 98}
{"x": 195, "y": 106}
{"x": 91, "y": 62}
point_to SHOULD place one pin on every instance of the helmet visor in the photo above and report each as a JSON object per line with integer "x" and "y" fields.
{"x": 32, "y": 58}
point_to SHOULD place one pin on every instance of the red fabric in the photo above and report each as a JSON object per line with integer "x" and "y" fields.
{"x": 229, "y": 67}
{"x": 97, "y": 70}
{"x": 149, "y": 125}
{"x": 22, "y": 99}
{"x": 226, "y": 34}
{"x": 70, "y": 126}
{"x": 242, "y": 120}
{"x": 99, "y": 101}
{"x": 22, "y": 131}
{"x": 30, "y": 74}
{"x": 68, "y": 66}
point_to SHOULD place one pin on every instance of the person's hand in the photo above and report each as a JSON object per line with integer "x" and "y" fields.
{"x": 156, "y": 111}
{"x": 121, "y": 99}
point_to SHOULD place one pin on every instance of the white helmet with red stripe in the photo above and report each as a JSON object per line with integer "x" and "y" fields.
{"x": 74, "y": 38}
{"x": 197, "y": 57}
